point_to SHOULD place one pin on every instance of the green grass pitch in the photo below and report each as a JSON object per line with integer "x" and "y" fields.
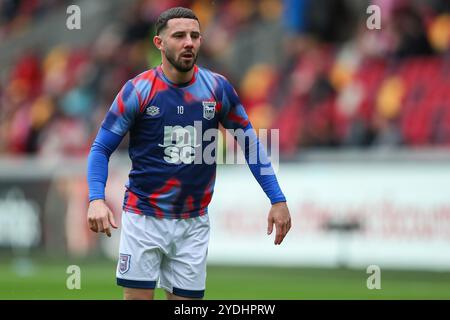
{"x": 47, "y": 280}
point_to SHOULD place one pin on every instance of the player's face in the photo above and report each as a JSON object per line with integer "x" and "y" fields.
{"x": 181, "y": 43}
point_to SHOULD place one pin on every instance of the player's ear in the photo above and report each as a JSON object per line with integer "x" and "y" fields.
{"x": 157, "y": 41}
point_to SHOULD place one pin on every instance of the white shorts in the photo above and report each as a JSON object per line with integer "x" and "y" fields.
{"x": 166, "y": 253}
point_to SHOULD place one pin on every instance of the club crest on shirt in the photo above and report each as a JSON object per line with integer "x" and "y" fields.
{"x": 209, "y": 109}
{"x": 124, "y": 263}
{"x": 152, "y": 111}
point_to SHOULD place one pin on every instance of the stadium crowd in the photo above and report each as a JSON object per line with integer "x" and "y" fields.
{"x": 17, "y": 16}
{"x": 310, "y": 68}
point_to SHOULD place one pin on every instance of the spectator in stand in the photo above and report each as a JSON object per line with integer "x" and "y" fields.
{"x": 330, "y": 84}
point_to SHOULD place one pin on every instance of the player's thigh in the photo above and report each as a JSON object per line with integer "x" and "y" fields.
{"x": 139, "y": 255}
{"x": 138, "y": 294}
{"x": 183, "y": 271}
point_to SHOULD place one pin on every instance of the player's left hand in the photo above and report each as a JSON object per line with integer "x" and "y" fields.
{"x": 279, "y": 214}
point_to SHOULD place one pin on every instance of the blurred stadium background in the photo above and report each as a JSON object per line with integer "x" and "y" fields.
{"x": 364, "y": 120}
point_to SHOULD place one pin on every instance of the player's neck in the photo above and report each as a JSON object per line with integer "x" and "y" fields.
{"x": 175, "y": 76}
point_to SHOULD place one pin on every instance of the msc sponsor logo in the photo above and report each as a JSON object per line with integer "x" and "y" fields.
{"x": 180, "y": 143}
{"x": 191, "y": 145}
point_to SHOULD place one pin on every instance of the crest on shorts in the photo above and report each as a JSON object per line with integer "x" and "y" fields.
{"x": 152, "y": 111}
{"x": 124, "y": 263}
{"x": 209, "y": 109}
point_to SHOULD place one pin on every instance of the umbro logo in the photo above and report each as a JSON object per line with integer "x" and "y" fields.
{"x": 152, "y": 111}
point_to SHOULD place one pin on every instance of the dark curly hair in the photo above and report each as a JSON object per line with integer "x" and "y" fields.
{"x": 173, "y": 13}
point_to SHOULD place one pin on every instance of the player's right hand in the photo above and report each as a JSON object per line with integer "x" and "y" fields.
{"x": 100, "y": 217}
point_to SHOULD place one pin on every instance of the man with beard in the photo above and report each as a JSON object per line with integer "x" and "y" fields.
{"x": 165, "y": 225}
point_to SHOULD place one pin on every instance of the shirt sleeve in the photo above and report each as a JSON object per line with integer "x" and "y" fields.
{"x": 97, "y": 165}
{"x": 123, "y": 111}
{"x": 234, "y": 117}
{"x": 118, "y": 120}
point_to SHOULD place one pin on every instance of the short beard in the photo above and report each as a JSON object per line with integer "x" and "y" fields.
{"x": 178, "y": 64}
